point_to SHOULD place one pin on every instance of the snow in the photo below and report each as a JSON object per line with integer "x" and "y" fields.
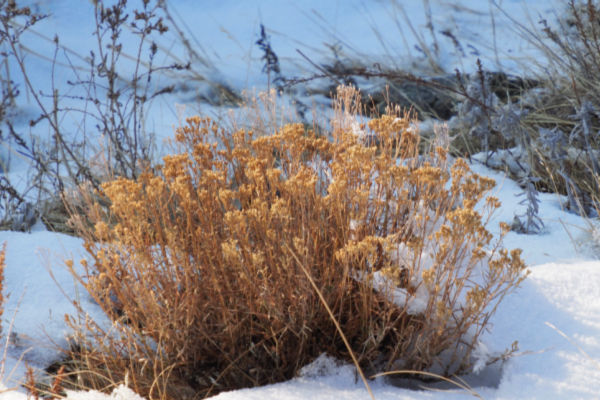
{"x": 40, "y": 292}
{"x": 554, "y": 316}
{"x": 122, "y": 392}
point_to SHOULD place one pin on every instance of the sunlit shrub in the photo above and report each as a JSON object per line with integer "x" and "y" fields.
{"x": 199, "y": 262}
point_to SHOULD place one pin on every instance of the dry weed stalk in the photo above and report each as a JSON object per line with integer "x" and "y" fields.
{"x": 30, "y": 384}
{"x": 202, "y": 262}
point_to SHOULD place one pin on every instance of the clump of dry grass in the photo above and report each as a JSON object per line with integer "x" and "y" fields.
{"x": 202, "y": 262}
{"x": 562, "y": 117}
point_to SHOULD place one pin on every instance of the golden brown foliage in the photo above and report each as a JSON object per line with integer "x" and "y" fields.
{"x": 197, "y": 261}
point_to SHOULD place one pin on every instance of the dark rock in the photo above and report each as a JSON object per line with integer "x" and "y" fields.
{"x": 509, "y": 86}
{"x": 24, "y": 218}
{"x": 430, "y": 97}
{"x": 438, "y": 97}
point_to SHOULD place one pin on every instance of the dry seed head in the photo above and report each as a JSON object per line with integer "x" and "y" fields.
{"x": 476, "y": 297}
{"x": 428, "y": 277}
{"x": 102, "y": 231}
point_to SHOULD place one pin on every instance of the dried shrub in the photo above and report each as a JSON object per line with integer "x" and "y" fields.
{"x": 199, "y": 262}
{"x": 561, "y": 117}
{"x": 547, "y": 136}
{"x": 109, "y": 91}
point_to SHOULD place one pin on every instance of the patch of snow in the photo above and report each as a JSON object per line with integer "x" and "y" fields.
{"x": 122, "y": 392}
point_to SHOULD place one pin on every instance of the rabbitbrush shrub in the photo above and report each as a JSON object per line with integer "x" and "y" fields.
{"x": 199, "y": 262}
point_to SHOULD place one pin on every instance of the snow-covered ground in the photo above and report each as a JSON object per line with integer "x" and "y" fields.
{"x": 554, "y": 316}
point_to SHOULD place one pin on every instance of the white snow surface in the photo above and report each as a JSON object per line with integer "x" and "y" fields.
{"x": 554, "y": 316}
